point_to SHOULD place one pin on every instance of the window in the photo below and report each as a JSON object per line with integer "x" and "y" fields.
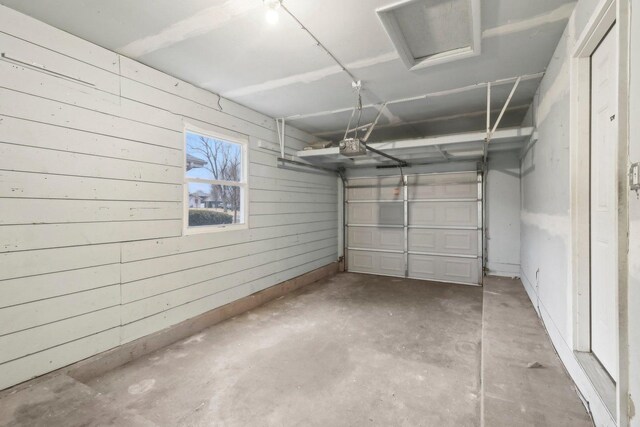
{"x": 215, "y": 183}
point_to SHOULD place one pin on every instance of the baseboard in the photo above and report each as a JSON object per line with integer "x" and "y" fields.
{"x": 103, "y": 362}
{"x": 503, "y": 270}
{"x": 584, "y": 386}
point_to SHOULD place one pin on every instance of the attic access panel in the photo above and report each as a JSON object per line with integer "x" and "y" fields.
{"x": 431, "y": 32}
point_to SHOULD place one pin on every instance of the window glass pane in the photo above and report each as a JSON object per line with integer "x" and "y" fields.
{"x": 215, "y": 204}
{"x": 212, "y": 158}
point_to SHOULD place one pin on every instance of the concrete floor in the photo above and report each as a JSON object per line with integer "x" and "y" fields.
{"x": 513, "y": 338}
{"x": 348, "y": 351}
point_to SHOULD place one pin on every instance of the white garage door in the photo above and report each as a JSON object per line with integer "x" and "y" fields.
{"x": 422, "y": 226}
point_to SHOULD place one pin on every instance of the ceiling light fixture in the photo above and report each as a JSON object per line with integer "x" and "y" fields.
{"x": 272, "y": 10}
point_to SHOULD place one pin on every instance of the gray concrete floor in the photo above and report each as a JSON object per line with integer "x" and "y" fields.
{"x": 513, "y": 337}
{"x": 352, "y": 350}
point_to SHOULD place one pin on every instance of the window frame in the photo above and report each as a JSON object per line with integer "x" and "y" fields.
{"x": 243, "y": 184}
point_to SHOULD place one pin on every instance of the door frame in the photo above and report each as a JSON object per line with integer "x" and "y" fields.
{"x": 606, "y": 14}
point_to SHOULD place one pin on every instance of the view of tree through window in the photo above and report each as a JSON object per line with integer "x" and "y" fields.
{"x": 214, "y": 178}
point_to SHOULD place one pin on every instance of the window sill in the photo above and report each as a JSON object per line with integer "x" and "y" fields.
{"x": 213, "y": 229}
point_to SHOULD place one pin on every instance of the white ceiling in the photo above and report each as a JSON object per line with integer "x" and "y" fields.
{"x": 227, "y": 46}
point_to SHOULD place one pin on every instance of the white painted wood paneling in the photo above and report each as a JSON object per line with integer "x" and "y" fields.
{"x": 35, "y": 288}
{"x": 45, "y": 186}
{"x": 29, "y": 315}
{"x": 36, "y": 108}
{"x": 37, "y": 33}
{"x": 29, "y": 133}
{"x": 252, "y": 268}
{"x": 32, "y": 263}
{"x": 41, "y": 211}
{"x": 149, "y": 249}
{"x": 39, "y": 236}
{"x": 14, "y": 346}
{"x": 178, "y": 313}
{"x": 188, "y": 264}
{"x": 35, "y": 364}
{"x": 141, "y": 73}
{"x": 91, "y": 247}
{"x": 21, "y": 158}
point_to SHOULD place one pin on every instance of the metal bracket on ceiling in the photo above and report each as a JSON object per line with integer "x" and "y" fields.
{"x": 300, "y": 166}
{"x": 441, "y": 151}
{"x": 491, "y": 131}
{"x": 283, "y": 162}
{"x": 280, "y": 127}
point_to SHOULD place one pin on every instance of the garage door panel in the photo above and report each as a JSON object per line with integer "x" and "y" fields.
{"x": 463, "y": 214}
{"x": 423, "y": 267}
{"x": 423, "y": 240}
{"x": 375, "y": 189}
{"x": 376, "y": 238}
{"x": 460, "y": 241}
{"x": 449, "y": 269}
{"x": 442, "y": 179}
{"x": 447, "y": 191}
{"x": 443, "y": 241}
{"x": 391, "y": 264}
{"x": 390, "y": 213}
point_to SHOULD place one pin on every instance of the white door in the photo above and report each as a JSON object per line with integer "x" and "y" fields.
{"x": 604, "y": 201}
{"x": 429, "y": 229}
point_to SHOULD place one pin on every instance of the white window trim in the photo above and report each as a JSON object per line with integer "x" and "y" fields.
{"x": 243, "y": 141}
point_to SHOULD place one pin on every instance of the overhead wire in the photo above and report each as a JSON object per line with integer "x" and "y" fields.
{"x": 319, "y": 44}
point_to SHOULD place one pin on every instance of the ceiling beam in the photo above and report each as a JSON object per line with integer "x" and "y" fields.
{"x": 423, "y": 96}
